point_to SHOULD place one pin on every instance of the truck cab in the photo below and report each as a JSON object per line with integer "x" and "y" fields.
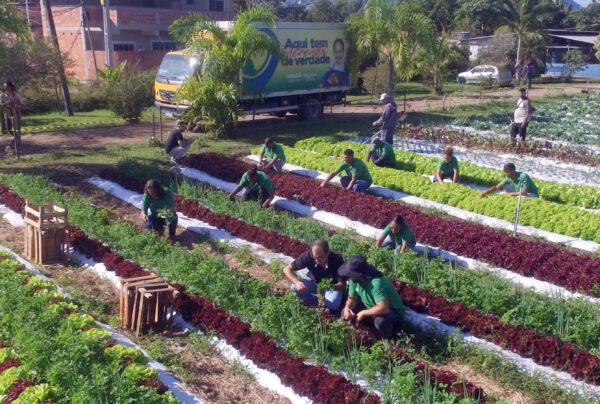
{"x": 175, "y": 68}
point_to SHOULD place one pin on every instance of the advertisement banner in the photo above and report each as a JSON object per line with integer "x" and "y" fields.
{"x": 312, "y": 59}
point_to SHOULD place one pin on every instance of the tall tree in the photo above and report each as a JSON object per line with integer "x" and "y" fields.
{"x": 224, "y": 52}
{"x": 524, "y": 18}
{"x": 585, "y": 18}
{"x": 394, "y": 32}
{"x": 478, "y": 16}
{"x": 13, "y": 25}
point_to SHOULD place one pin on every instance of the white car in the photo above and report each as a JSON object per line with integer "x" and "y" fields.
{"x": 485, "y": 74}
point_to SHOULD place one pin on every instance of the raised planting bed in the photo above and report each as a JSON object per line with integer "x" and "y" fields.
{"x": 54, "y": 353}
{"x": 537, "y": 213}
{"x": 573, "y": 195}
{"x": 543, "y": 261}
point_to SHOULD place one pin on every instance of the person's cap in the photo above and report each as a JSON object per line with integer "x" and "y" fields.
{"x": 356, "y": 266}
{"x": 180, "y": 122}
{"x": 383, "y": 96}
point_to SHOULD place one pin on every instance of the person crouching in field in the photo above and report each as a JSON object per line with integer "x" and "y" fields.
{"x": 375, "y": 292}
{"x": 397, "y": 234}
{"x": 177, "y": 146}
{"x": 357, "y": 175}
{"x": 271, "y": 156}
{"x": 447, "y": 167}
{"x": 322, "y": 263}
{"x": 258, "y": 186}
{"x": 382, "y": 154}
{"x": 158, "y": 209}
{"x": 514, "y": 183}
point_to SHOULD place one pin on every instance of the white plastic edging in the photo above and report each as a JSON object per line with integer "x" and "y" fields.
{"x": 366, "y": 230}
{"x": 175, "y": 385}
{"x": 194, "y": 225}
{"x": 585, "y": 245}
{"x": 12, "y": 217}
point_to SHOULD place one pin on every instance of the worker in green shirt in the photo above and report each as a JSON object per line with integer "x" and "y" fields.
{"x": 258, "y": 186}
{"x": 447, "y": 167}
{"x": 382, "y": 153}
{"x": 357, "y": 175}
{"x": 515, "y": 183}
{"x": 397, "y": 234}
{"x": 271, "y": 156}
{"x": 158, "y": 209}
{"x": 376, "y": 293}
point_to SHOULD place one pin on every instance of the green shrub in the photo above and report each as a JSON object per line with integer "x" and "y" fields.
{"x": 128, "y": 94}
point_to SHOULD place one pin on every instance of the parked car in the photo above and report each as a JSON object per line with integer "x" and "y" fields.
{"x": 486, "y": 74}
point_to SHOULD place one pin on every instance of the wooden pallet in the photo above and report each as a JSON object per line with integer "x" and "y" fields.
{"x": 44, "y": 232}
{"x": 146, "y": 302}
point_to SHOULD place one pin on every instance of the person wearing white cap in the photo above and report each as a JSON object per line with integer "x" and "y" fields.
{"x": 388, "y": 119}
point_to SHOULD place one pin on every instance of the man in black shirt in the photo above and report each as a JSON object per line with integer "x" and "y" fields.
{"x": 321, "y": 264}
{"x": 176, "y": 145}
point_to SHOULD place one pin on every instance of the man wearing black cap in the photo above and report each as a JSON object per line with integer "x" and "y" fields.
{"x": 377, "y": 294}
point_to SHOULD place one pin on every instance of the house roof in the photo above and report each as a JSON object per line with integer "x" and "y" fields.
{"x": 589, "y": 39}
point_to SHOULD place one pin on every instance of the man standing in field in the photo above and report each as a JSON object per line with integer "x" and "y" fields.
{"x": 514, "y": 183}
{"x": 521, "y": 116}
{"x": 321, "y": 264}
{"x": 271, "y": 156}
{"x": 177, "y": 146}
{"x": 258, "y": 186}
{"x": 357, "y": 175}
{"x": 388, "y": 119}
{"x": 382, "y": 153}
{"x": 447, "y": 167}
{"x": 375, "y": 292}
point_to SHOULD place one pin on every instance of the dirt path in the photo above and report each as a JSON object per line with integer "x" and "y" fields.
{"x": 97, "y": 138}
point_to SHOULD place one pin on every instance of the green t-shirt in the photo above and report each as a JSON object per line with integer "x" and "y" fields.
{"x": 357, "y": 169}
{"x": 405, "y": 235}
{"x": 374, "y": 290}
{"x": 270, "y": 154}
{"x": 448, "y": 168}
{"x": 262, "y": 181}
{"x": 388, "y": 151}
{"x": 151, "y": 206}
{"x": 522, "y": 179}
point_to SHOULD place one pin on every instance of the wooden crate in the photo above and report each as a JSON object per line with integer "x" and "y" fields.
{"x": 146, "y": 301}
{"x": 44, "y": 232}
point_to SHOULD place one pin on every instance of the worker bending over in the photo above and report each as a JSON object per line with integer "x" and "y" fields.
{"x": 257, "y": 185}
{"x": 321, "y": 263}
{"x": 376, "y": 293}
{"x": 447, "y": 167}
{"x": 515, "y": 183}
{"x": 357, "y": 175}
{"x": 271, "y": 156}
{"x": 382, "y": 153}
{"x": 397, "y": 234}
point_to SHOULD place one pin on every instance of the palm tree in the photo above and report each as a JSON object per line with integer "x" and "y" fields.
{"x": 597, "y": 47}
{"x": 224, "y": 52}
{"x": 523, "y": 17}
{"x": 12, "y": 23}
{"x": 394, "y": 32}
{"x": 434, "y": 61}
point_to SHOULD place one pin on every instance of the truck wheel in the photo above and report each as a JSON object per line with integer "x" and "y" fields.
{"x": 312, "y": 110}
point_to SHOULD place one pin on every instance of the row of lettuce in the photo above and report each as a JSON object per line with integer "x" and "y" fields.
{"x": 544, "y": 261}
{"x": 52, "y": 353}
{"x": 535, "y": 212}
{"x": 525, "y": 341}
{"x": 574, "y": 195}
{"x": 272, "y": 328}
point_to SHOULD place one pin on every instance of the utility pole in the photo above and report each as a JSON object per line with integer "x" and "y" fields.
{"x": 86, "y": 28}
{"x": 61, "y": 66}
{"x": 107, "y": 39}
{"x": 27, "y": 12}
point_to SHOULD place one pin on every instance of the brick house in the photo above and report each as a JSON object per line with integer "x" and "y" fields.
{"x": 139, "y": 29}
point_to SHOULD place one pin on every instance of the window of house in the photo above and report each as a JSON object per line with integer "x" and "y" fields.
{"x": 125, "y": 46}
{"x": 164, "y": 45}
{"x": 216, "y": 5}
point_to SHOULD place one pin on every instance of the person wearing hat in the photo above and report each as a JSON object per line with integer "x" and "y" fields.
{"x": 515, "y": 183}
{"x": 177, "y": 146}
{"x": 376, "y": 293}
{"x": 388, "y": 119}
{"x": 397, "y": 234}
{"x": 447, "y": 167}
{"x": 357, "y": 175}
{"x": 382, "y": 153}
{"x": 258, "y": 186}
{"x": 272, "y": 156}
{"x": 322, "y": 263}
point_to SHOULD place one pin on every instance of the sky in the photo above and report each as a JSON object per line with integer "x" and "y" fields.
{"x": 583, "y": 3}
